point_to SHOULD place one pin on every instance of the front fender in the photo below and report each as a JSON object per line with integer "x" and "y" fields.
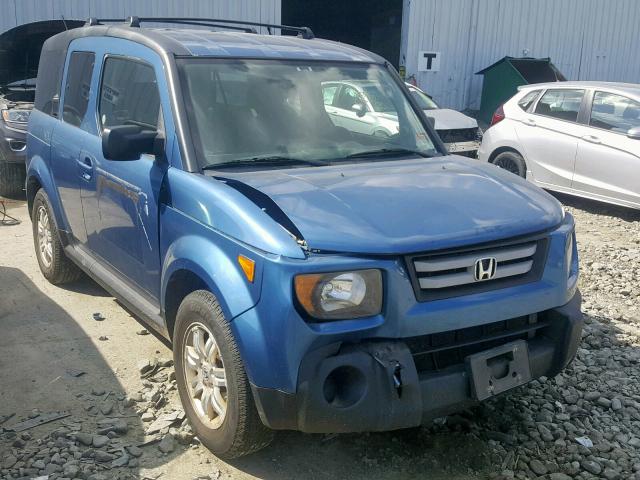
{"x": 224, "y": 209}
{"x": 212, "y": 257}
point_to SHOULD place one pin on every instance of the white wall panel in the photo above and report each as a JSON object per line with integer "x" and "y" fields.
{"x": 16, "y": 12}
{"x": 586, "y": 40}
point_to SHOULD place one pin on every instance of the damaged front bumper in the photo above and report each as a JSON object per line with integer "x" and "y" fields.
{"x": 387, "y": 385}
{"x": 13, "y": 144}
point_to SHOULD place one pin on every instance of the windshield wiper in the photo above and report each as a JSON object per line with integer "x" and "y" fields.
{"x": 388, "y": 151}
{"x": 274, "y": 160}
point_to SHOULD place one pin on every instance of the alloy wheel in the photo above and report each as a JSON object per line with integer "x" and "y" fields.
{"x": 509, "y": 165}
{"x": 205, "y": 375}
{"x": 45, "y": 241}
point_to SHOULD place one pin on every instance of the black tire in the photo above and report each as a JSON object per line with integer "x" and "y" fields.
{"x": 59, "y": 269}
{"x": 241, "y": 432}
{"x": 512, "y": 162}
{"x": 12, "y": 178}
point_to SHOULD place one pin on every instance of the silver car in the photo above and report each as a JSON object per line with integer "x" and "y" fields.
{"x": 359, "y": 106}
{"x": 459, "y": 132}
{"x": 581, "y": 138}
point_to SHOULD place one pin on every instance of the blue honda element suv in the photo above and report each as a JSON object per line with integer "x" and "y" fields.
{"x": 312, "y": 270}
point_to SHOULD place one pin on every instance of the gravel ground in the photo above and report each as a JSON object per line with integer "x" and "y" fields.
{"x": 126, "y": 422}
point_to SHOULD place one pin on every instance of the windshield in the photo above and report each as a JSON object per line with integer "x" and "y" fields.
{"x": 424, "y": 101}
{"x": 297, "y": 113}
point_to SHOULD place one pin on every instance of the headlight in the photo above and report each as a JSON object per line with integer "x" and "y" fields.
{"x": 17, "y": 116}
{"x": 340, "y": 295}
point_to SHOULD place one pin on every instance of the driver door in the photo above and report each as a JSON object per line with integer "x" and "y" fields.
{"x": 121, "y": 198}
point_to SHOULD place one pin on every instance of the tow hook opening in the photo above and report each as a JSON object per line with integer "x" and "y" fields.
{"x": 500, "y": 366}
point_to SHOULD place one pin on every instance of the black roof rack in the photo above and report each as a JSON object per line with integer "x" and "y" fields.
{"x": 304, "y": 32}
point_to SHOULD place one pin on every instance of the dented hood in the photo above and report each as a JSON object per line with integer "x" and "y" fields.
{"x": 20, "y": 48}
{"x": 446, "y": 119}
{"x": 406, "y": 206}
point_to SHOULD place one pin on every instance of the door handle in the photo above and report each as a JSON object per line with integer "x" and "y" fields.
{"x": 86, "y": 165}
{"x": 591, "y": 139}
{"x": 529, "y": 121}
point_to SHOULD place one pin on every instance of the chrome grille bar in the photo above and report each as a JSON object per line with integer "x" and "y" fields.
{"x": 458, "y": 269}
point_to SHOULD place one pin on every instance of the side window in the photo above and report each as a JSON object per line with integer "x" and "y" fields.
{"x": 329, "y": 93}
{"x": 561, "y": 104}
{"x": 348, "y": 97}
{"x": 76, "y": 89}
{"x": 525, "y": 102}
{"x": 614, "y": 112}
{"x": 129, "y": 94}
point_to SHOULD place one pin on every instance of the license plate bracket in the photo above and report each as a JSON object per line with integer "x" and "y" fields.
{"x": 498, "y": 369}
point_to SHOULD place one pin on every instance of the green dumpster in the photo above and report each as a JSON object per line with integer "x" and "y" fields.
{"x": 501, "y": 80}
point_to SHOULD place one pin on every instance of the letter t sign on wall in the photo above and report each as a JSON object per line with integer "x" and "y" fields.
{"x": 429, "y": 61}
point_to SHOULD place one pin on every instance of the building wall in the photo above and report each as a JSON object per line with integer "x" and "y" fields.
{"x": 16, "y": 12}
{"x": 586, "y": 40}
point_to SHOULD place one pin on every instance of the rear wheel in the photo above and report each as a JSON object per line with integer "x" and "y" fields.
{"x": 54, "y": 264}
{"x": 12, "y": 178}
{"x": 512, "y": 162}
{"x": 212, "y": 382}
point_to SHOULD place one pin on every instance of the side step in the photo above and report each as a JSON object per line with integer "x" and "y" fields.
{"x": 148, "y": 311}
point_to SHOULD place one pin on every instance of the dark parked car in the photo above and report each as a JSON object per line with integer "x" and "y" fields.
{"x": 19, "y": 55}
{"x": 309, "y": 275}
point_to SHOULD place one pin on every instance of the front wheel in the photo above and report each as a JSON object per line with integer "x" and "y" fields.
{"x": 512, "y": 162}
{"x": 212, "y": 382}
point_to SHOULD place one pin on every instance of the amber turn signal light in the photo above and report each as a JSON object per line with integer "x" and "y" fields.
{"x": 248, "y": 267}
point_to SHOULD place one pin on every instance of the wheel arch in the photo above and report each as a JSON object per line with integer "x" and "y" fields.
{"x": 195, "y": 263}
{"x": 33, "y": 185}
{"x": 181, "y": 283}
{"x": 503, "y": 149}
{"x": 39, "y": 177}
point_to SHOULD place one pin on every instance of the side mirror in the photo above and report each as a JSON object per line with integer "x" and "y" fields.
{"x": 634, "y": 133}
{"x": 128, "y": 142}
{"x": 359, "y": 109}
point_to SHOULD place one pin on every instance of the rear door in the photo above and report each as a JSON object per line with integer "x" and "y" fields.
{"x": 549, "y": 136}
{"x": 68, "y": 138}
{"x": 608, "y": 161}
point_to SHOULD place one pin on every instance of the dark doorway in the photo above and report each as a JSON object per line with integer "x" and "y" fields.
{"x": 370, "y": 24}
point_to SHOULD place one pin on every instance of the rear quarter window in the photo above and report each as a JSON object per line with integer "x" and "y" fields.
{"x": 529, "y": 99}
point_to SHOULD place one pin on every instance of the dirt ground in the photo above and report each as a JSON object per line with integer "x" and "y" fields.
{"x": 48, "y": 334}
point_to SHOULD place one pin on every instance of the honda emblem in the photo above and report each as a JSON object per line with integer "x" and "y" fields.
{"x": 485, "y": 269}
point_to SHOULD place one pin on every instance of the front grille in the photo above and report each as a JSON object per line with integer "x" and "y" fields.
{"x": 460, "y": 135}
{"x": 439, "y": 351}
{"x": 458, "y": 272}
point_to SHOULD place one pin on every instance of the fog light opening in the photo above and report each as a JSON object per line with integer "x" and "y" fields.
{"x": 344, "y": 386}
{"x": 17, "y": 146}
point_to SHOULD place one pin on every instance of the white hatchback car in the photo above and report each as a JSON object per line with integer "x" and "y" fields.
{"x": 581, "y": 138}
